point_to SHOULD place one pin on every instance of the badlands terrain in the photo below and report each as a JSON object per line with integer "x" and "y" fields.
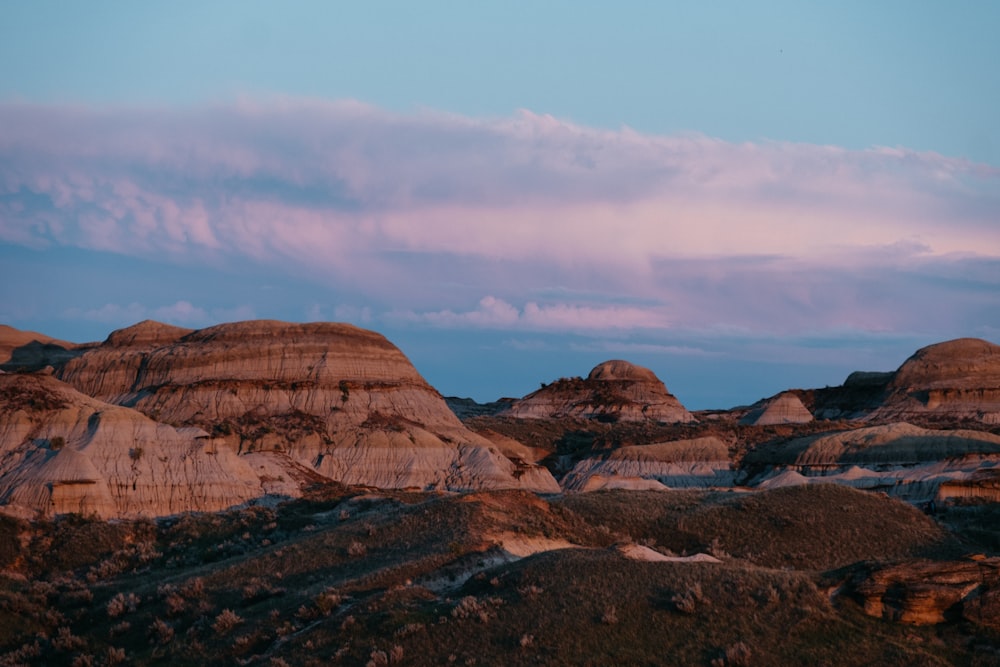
{"x": 269, "y": 493}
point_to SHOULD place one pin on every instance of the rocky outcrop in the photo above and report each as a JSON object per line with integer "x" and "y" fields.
{"x": 699, "y": 462}
{"x": 861, "y": 393}
{"x": 63, "y": 452}
{"x": 339, "y": 399}
{"x": 958, "y": 379}
{"x": 31, "y": 351}
{"x": 929, "y": 592}
{"x": 785, "y": 408}
{"x": 900, "y": 459}
{"x": 613, "y": 391}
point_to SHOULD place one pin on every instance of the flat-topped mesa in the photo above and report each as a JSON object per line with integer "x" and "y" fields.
{"x": 614, "y": 390}
{"x": 337, "y": 398}
{"x": 958, "y": 379}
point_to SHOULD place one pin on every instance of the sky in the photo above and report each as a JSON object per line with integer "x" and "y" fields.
{"x": 742, "y": 197}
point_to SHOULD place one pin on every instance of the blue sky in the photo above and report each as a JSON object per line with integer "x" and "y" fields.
{"x": 742, "y": 197}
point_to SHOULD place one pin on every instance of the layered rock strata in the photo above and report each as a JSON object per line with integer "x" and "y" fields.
{"x": 699, "y": 462}
{"x": 340, "y": 399}
{"x": 613, "y": 391}
{"x": 62, "y": 452}
{"x": 785, "y": 408}
{"x": 958, "y": 379}
{"x": 900, "y": 459}
{"x": 931, "y": 592}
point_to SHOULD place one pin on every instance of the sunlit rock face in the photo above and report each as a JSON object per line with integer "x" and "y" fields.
{"x": 958, "y": 379}
{"x": 925, "y": 592}
{"x": 63, "y": 452}
{"x": 785, "y": 408}
{"x": 340, "y": 399}
{"x": 900, "y": 459}
{"x": 613, "y": 391}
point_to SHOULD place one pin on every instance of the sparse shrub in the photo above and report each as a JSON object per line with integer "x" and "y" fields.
{"x": 193, "y": 588}
{"x": 396, "y": 654}
{"x": 610, "y": 616}
{"x": 83, "y": 660}
{"x": 120, "y": 628}
{"x": 687, "y": 602}
{"x": 65, "y": 640}
{"x": 115, "y": 656}
{"x": 327, "y": 601}
{"x": 410, "y": 629}
{"x": 356, "y": 549}
{"x": 121, "y": 603}
{"x": 471, "y": 607}
{"x": 160, "y": 632}
{"x": 136, "y": 454}
{"x": 530, "y": 591}
{"x": 176, "y": 604}
{"x": 57, "y": 443}
{"x": 226, "y": 621}
{"x": 526, "y": 640}
{"x": 737, "y": 655}
{"x": 378, "y": 659}
{"x": 715, "y": 548}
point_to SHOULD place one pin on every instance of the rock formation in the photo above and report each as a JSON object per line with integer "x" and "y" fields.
{"x": 614, "y": 391}
{"x": 700, "y": 462}
{"x": 339, "y": 399}
{"x": 900, "y": 459}
{"x": 785, "y": 408}
{"x": 958, "y": 379}
{"x": 931, "y": 592}
{"x": 63, "y": 452}
{"x": 29, "y": 351}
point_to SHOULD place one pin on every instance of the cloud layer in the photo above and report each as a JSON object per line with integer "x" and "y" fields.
{"x": 521, "y": 223}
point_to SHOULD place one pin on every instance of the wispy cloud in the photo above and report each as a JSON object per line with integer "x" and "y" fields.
{"x": 496, "y": 313}
{"x": 420, "y": 215}
{"x": 181, "y": 313}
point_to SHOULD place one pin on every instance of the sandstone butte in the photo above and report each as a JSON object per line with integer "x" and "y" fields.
{"x": 268, "y": 402}
{"x": 160, "y": 419}
{"x": 958, "y": 379}
{"x": 613, "y": 391}
{"x": 785, "y": 408}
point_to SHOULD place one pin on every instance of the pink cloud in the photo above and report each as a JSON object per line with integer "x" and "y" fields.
{"x": 423, "y": 213}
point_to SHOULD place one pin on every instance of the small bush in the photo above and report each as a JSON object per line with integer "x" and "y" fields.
{"x": 121, "y": 603}
{"x": 226, "y": 621}
{"x": 160, "y": 632}
{"x": 65, "y": 640}
{"x": 57, "y": 443}
{"x": 610, "y": 616}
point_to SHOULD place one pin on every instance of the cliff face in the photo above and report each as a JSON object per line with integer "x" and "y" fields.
{"x": 334, "y": 397}
{"x": 613, "y": 391}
